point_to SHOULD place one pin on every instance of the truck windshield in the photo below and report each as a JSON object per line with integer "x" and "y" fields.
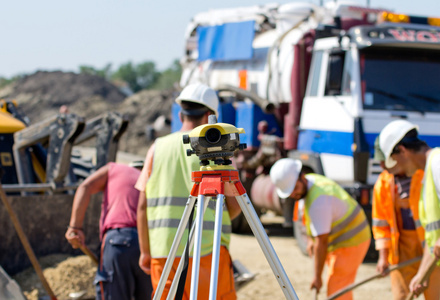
{"x": 400, "y": 79}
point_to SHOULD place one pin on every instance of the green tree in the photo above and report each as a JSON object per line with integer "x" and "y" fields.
{"x": 104, "y": 72}
{"x": 170, "y": 76}
{"x": 127, "y": 73}
{"x": 138, "y": 77}
{"x": 5, "y": 81}
{"x": 147, "y": 75}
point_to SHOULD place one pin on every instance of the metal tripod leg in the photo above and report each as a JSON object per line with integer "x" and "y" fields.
{"x": 262, "y": 238}
{"x": 197, "y": 249}
{"x": 171, "y": 256}
{"x": 216, "y": 247}
{"x": 174, "y": 284}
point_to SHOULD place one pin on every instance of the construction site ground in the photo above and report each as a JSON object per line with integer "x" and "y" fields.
{"x": 75, "y": 274}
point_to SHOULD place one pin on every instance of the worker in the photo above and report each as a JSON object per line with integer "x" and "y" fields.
{"x": 164, "y": 185}
{"x": 119, "y": 275}
{"x": 333, "y": 218}
{"x": 402, "y": 147}
{"x": 396, "y": 227}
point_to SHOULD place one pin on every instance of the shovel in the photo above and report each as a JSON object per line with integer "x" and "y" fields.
{"x": 26, "y": 245}
{"x": 357, "y": 284}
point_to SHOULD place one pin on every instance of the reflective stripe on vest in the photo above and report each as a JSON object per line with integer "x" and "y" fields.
{"x": 175, "y": 201}
{"x": 167, "y": 192}
{"x": 429, "y": 205}
{"x": 350, "y": 230}
{"x": 433, "y": 226}
{"x": 174, "y": 223}
{"x": 380, "y": 223}
{"x": 350, "y": 234}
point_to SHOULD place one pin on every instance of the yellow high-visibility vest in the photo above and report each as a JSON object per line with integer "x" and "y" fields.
{"x": 350, "y": 230}
{"x": 429, "y": 205}
{"x": 167, "y": 192}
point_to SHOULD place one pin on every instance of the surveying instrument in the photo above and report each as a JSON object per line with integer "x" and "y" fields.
{"x": 215, "y": 142}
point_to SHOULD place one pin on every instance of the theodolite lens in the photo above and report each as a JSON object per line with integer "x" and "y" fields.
{"x": 213, "y": 135}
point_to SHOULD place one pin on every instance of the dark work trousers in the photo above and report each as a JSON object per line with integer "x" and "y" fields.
{"x": 119, "y": 275}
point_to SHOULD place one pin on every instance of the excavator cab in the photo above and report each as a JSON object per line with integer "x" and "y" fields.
{"x": 8, "y": 126}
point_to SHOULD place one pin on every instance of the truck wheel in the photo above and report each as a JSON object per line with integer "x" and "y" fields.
{"x": 300, "y": 234}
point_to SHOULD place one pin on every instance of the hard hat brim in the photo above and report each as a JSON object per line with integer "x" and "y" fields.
{"x": 389, "y": 161}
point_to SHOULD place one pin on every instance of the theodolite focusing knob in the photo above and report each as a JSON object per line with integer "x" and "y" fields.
{"x": 185, "y": 139}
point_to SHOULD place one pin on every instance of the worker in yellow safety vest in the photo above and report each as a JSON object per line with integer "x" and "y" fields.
{"x": 402, "y": 147}
{"x": 397, "y": 231}
{"x": 336, "y": 222}
{"x": 164, "y": 185}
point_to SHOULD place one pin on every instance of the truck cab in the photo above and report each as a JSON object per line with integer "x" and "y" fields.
{"x": 359, "y": 82}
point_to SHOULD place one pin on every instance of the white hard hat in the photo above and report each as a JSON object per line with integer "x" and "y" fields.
{"x": 284, "y": 174}
{"x": 199, "y": 93}
{"x": 391, "y": 135}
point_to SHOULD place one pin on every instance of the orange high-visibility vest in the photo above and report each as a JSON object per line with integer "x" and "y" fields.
{"x": 385, "y": 231}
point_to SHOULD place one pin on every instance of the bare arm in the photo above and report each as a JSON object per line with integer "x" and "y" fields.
{"x": 144, "y": 239}
{"x": 382, "y": 262}
{"x": 418, "y": 285}
{"x": 93, "y": 184}
{"x": 141, "y": 214}
{"x": 310, "y": 246}
{"x": 233, "y": 206}
{"x": 231, "y": 192}
{"x": 320, "y": 251}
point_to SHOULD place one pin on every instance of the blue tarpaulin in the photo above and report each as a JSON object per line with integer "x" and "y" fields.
{"x": 230, "y": 41}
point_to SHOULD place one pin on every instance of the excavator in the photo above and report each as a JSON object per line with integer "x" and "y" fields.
{"x": 40, "y": 170}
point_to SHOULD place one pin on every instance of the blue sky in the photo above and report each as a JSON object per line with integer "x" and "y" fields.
{"x": 62, "y": 35}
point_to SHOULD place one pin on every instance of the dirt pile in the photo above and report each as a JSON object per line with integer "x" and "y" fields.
{"x": 143, "y": 109}
{"x": 41, "y": 95}
{"x": 64, "y": 275}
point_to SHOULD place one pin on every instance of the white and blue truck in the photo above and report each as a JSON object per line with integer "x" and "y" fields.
{"x": 316, "y": 83}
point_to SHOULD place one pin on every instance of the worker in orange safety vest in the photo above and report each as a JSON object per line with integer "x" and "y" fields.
{"x": 397, "y": 231}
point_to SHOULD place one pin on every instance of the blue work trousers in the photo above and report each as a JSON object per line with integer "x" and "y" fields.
{"x": 119, "y": 276}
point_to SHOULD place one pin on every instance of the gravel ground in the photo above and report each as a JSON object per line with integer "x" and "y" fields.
{"x": 298, "y": 267}
{"x": 74, "y": 274}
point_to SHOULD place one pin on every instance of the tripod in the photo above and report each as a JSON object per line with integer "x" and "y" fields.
{"x": 210, "y": 182}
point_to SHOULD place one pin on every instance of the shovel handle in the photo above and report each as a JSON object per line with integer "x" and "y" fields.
{"x": 26, "y": 245}
{"x": 426, "y": 274}
{"x": 89, "y": 253}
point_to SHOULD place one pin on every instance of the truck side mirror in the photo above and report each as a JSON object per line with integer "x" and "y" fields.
{"x": 334, "y": 74}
